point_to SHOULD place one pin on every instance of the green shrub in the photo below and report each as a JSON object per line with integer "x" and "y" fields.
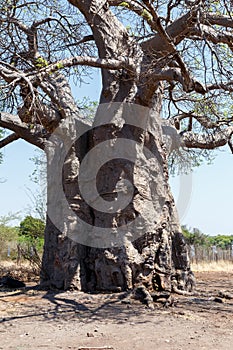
{"x": 32, "y": 227}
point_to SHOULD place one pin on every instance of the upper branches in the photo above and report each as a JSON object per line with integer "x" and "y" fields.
{"x": 189, "y": 49}
{"x": 204, "y": 120}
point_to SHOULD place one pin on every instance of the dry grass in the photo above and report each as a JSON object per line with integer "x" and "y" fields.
{"x": 24, "y": 271}
{"x": 225, "y": 266}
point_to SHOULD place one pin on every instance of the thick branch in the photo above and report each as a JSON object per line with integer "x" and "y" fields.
{"x": 230, "y": 146}
{"x": 9, "y": 139}
{"x": 176, "y": 74}
{"x": 220, "y": 20}
{"x": 15, "y": 21}
{"x": 85, "y": 61}
{"x": 206, "y": 32}
{"x": 226, "y": 86}
{"x": 14, "y": 77}
{"x": 113, "y": 42}
{"x": 36, "y": 135}
{"x": 178, "y": 30}
{"x": 211, "y": 141}
{"x": 185, "y": 26}
{"x": 57, "y": 88}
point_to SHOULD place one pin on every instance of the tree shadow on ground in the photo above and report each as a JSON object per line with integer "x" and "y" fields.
{"x": 52, "y": 305}
{"x": 30, "y": 302}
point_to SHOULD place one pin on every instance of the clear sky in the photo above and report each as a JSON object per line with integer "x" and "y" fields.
{"x": 211, "y": 201}
{"x": 209, "y": 207}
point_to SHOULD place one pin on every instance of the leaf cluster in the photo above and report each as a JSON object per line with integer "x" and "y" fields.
{"x": 32, "y": 228}
{"x": 197, "y": 238}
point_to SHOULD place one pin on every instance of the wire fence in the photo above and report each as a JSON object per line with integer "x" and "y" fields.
{"x": 199, "y": 254}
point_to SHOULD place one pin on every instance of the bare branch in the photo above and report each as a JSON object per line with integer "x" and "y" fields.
{"x": 9, "y": 139}
{"x": 227, "y": 86}
{"x": 190, "y": 139}
{"x": 15, "y": 77}
{"x": 43, "y": 21}
{"x": 206, "y": 32}
{"x": 230, "y": 145}
{"x": 203, "y": 120}
{"x": 15, "y": 21}
{"x": 220, "y": 20}
{"x": 85, "y": 39}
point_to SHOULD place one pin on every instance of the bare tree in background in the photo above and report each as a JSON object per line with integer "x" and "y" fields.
{"x": 172, "y": 58}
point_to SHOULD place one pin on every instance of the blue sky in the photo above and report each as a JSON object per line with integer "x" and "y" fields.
{"x": 209, "y": 207}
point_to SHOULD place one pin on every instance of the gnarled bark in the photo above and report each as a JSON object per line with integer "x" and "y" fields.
{"x": 151, "y": 255}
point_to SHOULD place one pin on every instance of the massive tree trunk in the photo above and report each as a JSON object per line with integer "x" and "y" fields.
{"x": 129, "y": 234}
{"x": 120, "y": 230}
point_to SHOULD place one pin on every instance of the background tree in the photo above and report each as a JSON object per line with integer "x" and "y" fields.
{"x": 195, "y": 237}
{"x": 32, "y": 227}
{"x": 169, "y": 59}
{"x": 31, "y": 240}
{"x": 8, "y": 235}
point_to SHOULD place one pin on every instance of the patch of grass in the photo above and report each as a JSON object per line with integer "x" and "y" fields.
{"x": 221, "y": 265}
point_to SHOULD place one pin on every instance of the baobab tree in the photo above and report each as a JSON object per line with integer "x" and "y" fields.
{"x": 166, "y": 91}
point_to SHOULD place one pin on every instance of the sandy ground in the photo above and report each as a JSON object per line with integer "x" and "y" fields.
{"x": 32, "y": 319}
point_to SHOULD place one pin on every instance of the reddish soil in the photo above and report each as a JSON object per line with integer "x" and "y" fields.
{"x": 32, "y": 319}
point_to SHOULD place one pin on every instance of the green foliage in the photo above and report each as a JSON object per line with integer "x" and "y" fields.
{"x": 5, "y": 220}
{"x": 183, "y": 161}
{"x": 8, "y": 234}
{"x": 124, "y": 4}
{"x": 39, "y": 177}
{"x": 41, "y": 62}
{"x": 8, "y": 239}
{"x": 88, "y": 108}
{"x": 59, "y": 65}
{"x": 222, "y": 241}
{"x": 27, "y": 243}
{"x": 146, "y": 15}
{"x": 30, "y": 239}
{"x": 32, "y": 228}
{"x": 26, "y": 239}
{"x": 39, "y": 173}
{"x": 197, "y": 238}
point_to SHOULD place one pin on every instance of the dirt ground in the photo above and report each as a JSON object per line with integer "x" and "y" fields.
{"x": 33, "y": 319}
